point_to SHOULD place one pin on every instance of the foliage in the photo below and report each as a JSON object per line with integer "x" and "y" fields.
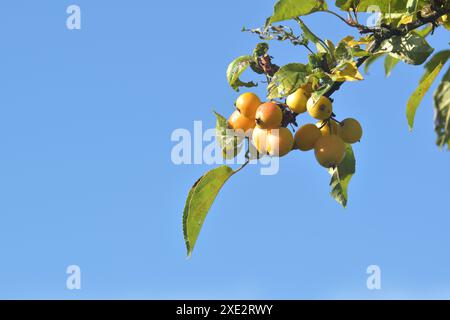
{"x": 400, "y": 36}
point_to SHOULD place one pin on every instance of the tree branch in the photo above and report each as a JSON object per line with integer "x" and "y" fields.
{"x": 384, "y": 33}
{"x": 380, "y": 34}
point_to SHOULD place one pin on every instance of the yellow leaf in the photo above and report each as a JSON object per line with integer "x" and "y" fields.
{"x": 408, "y": 18}
{"x": 347, "y": 72}
{"x": 351, "y": 42}
{"x": 348, "y": 40}
{"x": 445, "y": 21}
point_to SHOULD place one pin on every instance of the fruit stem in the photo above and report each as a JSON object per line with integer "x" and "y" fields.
{"x": 324, "y": 123}
{"x": 247, "y": 156}
{"x": 337, "y": 121}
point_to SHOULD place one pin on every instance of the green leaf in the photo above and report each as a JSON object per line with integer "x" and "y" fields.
{"x": 199, "y": 201}
{"x": 437, "y": 58}
{"x": 343, "y": 53}
{"x": 290, "y": 9}
{"x": 260, "y": 50}
{"x": 346, "y": 5}
{"x": 418, "y": 95}
{"x": 389, "y": 63}
{"x": 358, "y": 52}
{"x": 309, "y": 35}
{"x": 229, "y": 141}
{"x": 425, "y": 31}
{"x": 234, "y": 71}
{"x": 412, "y": 49}
{"x": 442, "y": 111}
{"x": 321, "y": 82}
{"x": 341, "y": 176}
{"x": 317, "y": 60}
{"x": 288, "y": 79}
{"x": 411, "y": 6}
{"x": 371, "y": 60}
{"x": 388, "y": 6}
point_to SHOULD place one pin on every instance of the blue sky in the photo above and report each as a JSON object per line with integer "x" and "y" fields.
{"x": 86, "y": 175}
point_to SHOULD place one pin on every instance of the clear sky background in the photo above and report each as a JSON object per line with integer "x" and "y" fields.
{"x": 86, "y": 176}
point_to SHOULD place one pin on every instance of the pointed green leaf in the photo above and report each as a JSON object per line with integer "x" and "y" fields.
{"x": 290, "y": 9}
{"x": 412, "y": 48}
{"x": 370, "y": 61}
{"x": 229, "y": 141}
{"x": 288, "y": 79}
{"x": 234, "y": 71}
{"x": 343, "y": 53}
{"x": 437, "y": 58}
{"x": 199, "y": 201}
{"x": 442, "y": 111}
{"x": 418, "y": 95}
{"x": 425, "y": 31}
{"x": 309, "y": 35}
{"x": 341, "y": 176}
{"x": 389, "y": 63}
{"x": 346, "y": 5}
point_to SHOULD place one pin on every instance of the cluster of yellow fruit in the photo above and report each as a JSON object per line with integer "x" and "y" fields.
{"x": 262, "y": 122}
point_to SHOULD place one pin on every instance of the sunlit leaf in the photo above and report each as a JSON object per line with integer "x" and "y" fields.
{"x": 234, "y": 71}
{"x": 288, "y": 79}
{"x": 343, "y": 53}
{"x": 442, "y": 111}
{"x": 445, "y": 21}
{"x": 341, "y": 176}
{"x": 418, "y": 95}
{"x": 199, "y": 201}
{"x": 371, "y": 60}
{"x": 308, "y": 34}
{"x": 412, "y": 48}
{"x": 289, "y": 9}
{"x": 437, "y": 58}
{"x": 346, "y": 5}
{"x": 389, "y": 63}
{"x": 347, "y": 72}
{"x": 388, "y": 6}
{"x": 407, "y": 18}
{"x": 425, "y": 31}
{"x": 229, "y": 141}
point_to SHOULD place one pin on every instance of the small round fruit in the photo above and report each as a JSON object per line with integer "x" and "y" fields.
{"x": 259, "y": 139}
{"x": 279, "y": 142}
{"x": 332, "y": 127}
{"x": 247, "y": 104}
{"x": 297, "y": 101}
{"x": 306, "y": 137}
{"x": 238, "y": 122}
{"x": 329, "y": 150}
{"x": 351, "y": 130}
{"x": 320, "y": 109}
{"x": 269, "y": 116}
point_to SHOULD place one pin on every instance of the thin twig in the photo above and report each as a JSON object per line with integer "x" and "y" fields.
{"x": 340, "y": 17}
{"x": 247, "y": 161}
